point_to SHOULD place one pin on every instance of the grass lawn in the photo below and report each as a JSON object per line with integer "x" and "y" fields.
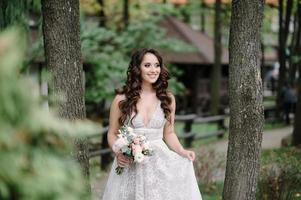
{"x": 213, "y": 191}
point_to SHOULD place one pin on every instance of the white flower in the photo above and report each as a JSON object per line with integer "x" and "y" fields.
{"x": 142, "y": 137}
{"x": 119, "y": 143}
{"x": 139, "y": 157}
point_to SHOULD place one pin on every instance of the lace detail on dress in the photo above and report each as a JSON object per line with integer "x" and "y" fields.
{"x": 166, "y": 175}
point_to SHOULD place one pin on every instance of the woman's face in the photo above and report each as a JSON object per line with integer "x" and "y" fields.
{"x": 150, "y": 68}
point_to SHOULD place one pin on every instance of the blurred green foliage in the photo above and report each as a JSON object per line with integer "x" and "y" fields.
{"x": 106, "y": 50}
{"x": 107, "y": 54}
{"x": 280, "y": 176}
{"x": 13, "y": 12}
{"x": 35, "y": 147}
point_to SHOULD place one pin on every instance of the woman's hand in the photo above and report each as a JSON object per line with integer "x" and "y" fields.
{"x": 188, "y": 154}
{"x": 122, "y": 161}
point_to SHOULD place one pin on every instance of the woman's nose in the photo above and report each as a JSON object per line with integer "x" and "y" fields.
{"x": 153, "y": 68}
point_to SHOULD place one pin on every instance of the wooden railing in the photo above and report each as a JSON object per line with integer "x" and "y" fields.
{"x": 191, "y": 119}
{"x": 270, "y": 113}
{"x": 101, "y": 148}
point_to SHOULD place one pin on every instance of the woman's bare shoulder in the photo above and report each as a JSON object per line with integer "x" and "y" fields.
{"x": 119, "y": 97}
{"x": 170, "y": 94}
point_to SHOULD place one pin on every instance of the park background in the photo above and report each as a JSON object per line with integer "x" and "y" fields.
{"x": 40, "y": 86}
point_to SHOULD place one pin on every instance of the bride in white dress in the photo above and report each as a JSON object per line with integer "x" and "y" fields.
{"x": 169, "y": 173}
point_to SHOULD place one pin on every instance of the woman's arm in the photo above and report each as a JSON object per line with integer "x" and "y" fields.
{"x": 170, "y": 136}
{"x": 115, "y": 113}
{"x": 113, "y": 120}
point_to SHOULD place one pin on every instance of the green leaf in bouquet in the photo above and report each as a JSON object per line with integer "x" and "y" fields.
{"x": 129, "y": 138}
{"x": 119, "y": 170}
{"x": 125, "y": 149}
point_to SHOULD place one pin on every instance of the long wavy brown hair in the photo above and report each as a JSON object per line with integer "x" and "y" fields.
{"x": 132, "y": 86}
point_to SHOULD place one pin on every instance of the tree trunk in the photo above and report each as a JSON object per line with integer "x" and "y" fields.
{"x": 203, "y": 7}
{"x": 125, "y": 12}
{"x": 102, "y": 15}
{"x": 282, "y": 40}
{"x": 294, "y": 51}
{"x": 246, "y": 109}
{"x": 3, "y": 20}
{"x": 297, "y": 123}
{"x": 61, "y": 31}
{"x": 262, "y": 60}
{"x": 216, "y": 70}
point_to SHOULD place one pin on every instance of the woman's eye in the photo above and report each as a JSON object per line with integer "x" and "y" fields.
{"x": 147, "y": 65}
{"x": 157, "y": 65}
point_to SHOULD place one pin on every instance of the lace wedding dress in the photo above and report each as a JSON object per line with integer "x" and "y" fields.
{"x": 166, "y": 175}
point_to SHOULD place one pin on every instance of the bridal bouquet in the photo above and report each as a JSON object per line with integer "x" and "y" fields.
{"x": 133, "y": 146}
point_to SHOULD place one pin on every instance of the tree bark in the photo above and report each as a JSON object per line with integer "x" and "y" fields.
{"x": 262, "y": 60}
{"x": 246, "y": 108}
{"x": 61, "y": 31}
{"x": 216, "y": 70}
{"x": 297, "y": 123}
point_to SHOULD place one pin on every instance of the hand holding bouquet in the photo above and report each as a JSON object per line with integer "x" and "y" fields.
{"x": 133, "y": 146}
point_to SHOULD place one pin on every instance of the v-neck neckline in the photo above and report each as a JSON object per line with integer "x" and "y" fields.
{"x": 151, "y": 116}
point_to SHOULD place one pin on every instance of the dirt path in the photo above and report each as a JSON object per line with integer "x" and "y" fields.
{"x": 271, "y": 139}
{"x": 98, "y": 186}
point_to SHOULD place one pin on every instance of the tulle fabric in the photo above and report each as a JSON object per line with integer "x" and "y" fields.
{"x": 163, "y": 176}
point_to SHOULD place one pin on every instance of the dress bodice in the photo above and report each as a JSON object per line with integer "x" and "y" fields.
{"x": 153, "y": 130}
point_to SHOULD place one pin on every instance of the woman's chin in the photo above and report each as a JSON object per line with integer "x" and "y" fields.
{"x": 151, "y": 81}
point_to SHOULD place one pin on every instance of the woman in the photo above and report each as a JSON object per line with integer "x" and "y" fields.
{"x": 169, "y": 173}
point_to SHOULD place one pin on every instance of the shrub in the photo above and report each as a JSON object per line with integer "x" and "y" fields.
{"x": 280, "y": 176}
{"x": 35, "y": 147}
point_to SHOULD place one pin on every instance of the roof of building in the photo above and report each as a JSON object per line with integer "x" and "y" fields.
{"x": 203, "y": 43}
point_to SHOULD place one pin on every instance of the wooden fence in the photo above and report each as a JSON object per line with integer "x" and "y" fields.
{"x": 100, "y": 148}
